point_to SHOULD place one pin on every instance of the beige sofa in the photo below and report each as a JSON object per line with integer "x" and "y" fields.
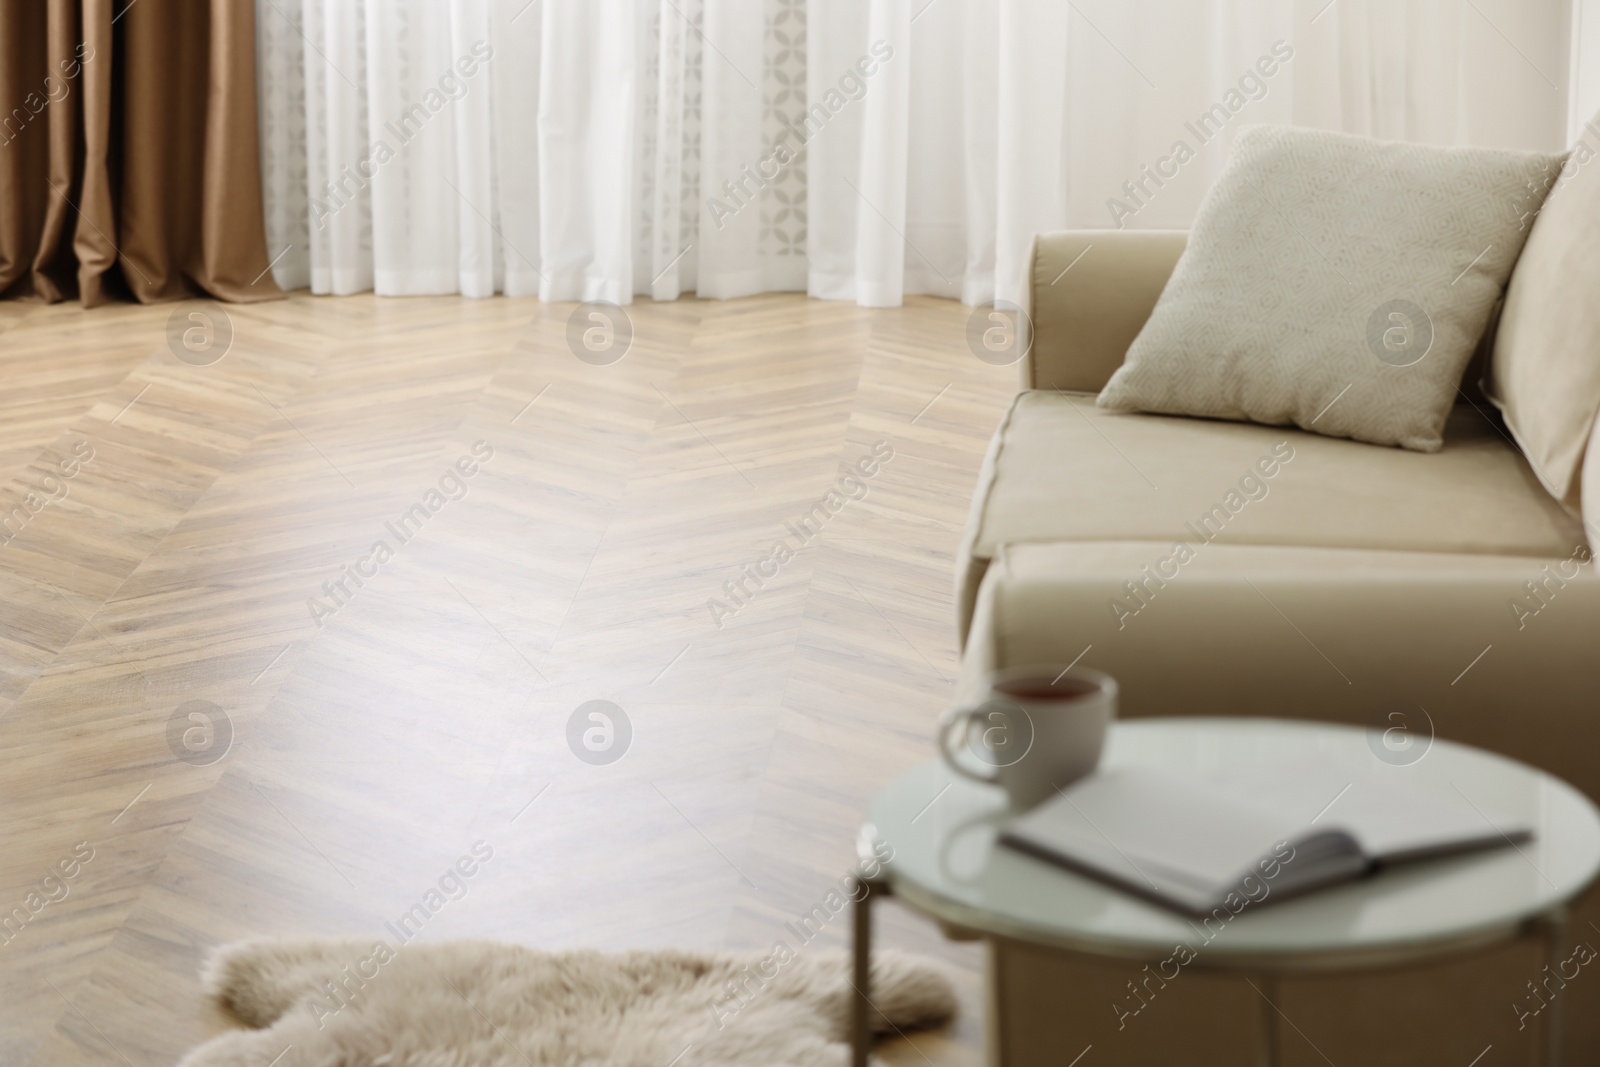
{"x": 1350, "y": 582}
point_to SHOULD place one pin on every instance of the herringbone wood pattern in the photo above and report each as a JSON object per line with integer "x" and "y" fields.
{"x": 430, "y": 710}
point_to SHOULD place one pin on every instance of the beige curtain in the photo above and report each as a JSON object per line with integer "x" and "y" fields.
{"x": 129, "y": 159}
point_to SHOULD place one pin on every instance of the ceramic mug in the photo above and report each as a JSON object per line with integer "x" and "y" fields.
{"x": 1034, "y": 730}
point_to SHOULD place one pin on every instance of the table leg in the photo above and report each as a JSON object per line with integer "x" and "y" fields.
{"x": 1269, "y": 1020}
{"x": 1553, "y": 924}
{"x": 861, "y": 979}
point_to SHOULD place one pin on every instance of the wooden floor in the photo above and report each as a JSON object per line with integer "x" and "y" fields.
{"x": 371, "y": 747}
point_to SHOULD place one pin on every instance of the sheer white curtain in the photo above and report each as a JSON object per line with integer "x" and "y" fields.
{"x": 853, "y": 149}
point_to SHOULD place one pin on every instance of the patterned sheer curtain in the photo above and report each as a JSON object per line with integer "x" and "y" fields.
{"x": 547, "y": 148}
{"x": 852, "y": 149}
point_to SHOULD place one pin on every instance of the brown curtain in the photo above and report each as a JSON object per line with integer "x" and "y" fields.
{"x": 129, "y": 159}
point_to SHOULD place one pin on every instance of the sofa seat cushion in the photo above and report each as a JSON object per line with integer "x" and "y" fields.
{"x": 1490, "y": 650}
{"x": 1061, "y": 470}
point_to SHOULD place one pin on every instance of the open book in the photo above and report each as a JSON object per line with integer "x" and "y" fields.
{"x": 1196, "y": 847}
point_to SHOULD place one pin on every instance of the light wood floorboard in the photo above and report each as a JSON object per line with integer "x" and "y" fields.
{"x": 374, "y": 746}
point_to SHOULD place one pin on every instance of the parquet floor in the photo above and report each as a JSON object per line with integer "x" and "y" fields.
{"x": 427, "y": 707}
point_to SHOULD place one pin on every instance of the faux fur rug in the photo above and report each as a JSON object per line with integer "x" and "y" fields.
{"x": 486, "y": 1004}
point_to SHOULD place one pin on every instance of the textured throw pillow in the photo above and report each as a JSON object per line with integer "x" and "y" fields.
{"x": 1545, "y": 374}
{"x": 1336, "y": 283}
{"x": 1590, "y": 480}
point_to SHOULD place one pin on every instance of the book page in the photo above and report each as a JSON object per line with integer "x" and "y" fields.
{"x": 1148, "y": 827}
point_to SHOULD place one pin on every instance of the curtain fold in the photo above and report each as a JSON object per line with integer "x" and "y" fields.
{"x": 586, "y": 148}
{"x": 129, "y": 160}
{"x": 880, "y": 266}
{"x": 852, "y": 149}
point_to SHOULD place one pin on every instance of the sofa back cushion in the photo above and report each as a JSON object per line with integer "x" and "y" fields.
{"x": 1545, "y": 374}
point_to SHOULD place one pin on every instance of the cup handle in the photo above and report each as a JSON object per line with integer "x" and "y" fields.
{"x": 961, "y": 717}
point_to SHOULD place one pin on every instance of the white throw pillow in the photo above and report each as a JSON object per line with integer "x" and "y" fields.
{"x": 1337, "y": 283}
{"x": 1545, "y": 375}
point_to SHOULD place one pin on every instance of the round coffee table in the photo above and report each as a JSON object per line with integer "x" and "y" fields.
{"x": 946, "y": 864}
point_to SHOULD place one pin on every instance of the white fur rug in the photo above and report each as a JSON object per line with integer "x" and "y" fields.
{"x": 485, "y": 1004}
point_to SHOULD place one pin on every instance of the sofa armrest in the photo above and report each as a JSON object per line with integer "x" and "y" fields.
{"x": 1090, "y": 292}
